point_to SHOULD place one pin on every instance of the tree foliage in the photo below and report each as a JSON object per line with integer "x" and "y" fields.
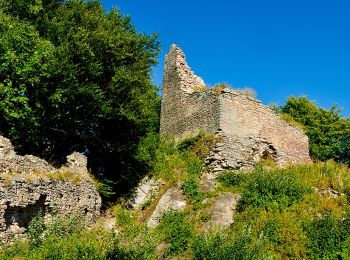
{"x": 75, "y": 77}
{"x": 328, "y": 130}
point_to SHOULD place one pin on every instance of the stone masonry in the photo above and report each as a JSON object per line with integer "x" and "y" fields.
{"x": 30, "y": 186}
{"x": 248, "y": 130}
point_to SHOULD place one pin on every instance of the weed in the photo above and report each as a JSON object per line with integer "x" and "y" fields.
{"x": 274, "y": 189}
{"x": 220, "y": 86}
{"x": 232, "y": 178}
{"x": 327, "y": 236}
{"x": 200, "y": 88}
{"x": 248, "y": 92}
{"x": 191, "y": 189}
{"x": 123, "y": 217}
{"x": 177, "y": 230}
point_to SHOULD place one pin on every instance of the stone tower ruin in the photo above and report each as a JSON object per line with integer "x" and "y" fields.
{"x": 249, "y": 130}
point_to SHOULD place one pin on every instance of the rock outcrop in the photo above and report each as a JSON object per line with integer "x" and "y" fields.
{"x": 172, "y": 200}
{"x": 147, "y": 189}
{"x": 30, "y": 186}
{"x": 222, "y": 211}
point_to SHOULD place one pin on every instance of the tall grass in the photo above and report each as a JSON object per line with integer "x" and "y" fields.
{"x": 282, "y": 214}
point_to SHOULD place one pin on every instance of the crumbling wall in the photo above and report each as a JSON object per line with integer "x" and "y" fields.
{"x": 185, "y": 111}
{"x": 249, "y": 130}
{"x": 29, "y": 186}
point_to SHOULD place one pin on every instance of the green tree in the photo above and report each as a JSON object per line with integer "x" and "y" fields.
{"x": 328, "y": 130}
{"x": 75, "y": 77}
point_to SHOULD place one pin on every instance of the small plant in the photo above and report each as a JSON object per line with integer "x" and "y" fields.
{"x": 201, "y": 88}
{"x": 105, "y": 188}
{"x": 146, "y": 204}
{"x": 226, "y": 245}
{"x": 123, "y": 217}
{"x": 205, "y": 217}
{"x": 327, "y": 236}
{"x": 220, "y": 86}
{"x": 232, "y": 178}
{"x": 248, "y": 92}
{"x": 189, "y": 142}
{"x": 177, "y": 230}
{"x": 271, "y": 189}
{"x": 192, "y": 190}
{"x": 36, "y": 229}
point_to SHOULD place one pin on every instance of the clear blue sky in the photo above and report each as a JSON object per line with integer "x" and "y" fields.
{"x": 279, "y": 48}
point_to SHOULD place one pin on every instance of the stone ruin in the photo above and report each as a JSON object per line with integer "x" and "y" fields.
{"x": 30, "y": 186}
{"x": 248, "y": 130}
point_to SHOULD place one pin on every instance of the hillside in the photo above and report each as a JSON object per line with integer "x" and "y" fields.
{"x": 96, "y": 164}
{"x": 301, "y": 211}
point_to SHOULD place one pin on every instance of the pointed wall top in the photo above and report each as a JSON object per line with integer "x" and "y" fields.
{"x": 177, "y": 74}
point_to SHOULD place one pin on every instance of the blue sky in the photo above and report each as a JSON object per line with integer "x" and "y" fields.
{"x": 279, "y": 48}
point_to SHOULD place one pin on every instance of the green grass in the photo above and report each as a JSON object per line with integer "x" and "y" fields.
{"x": 280, "y": 216}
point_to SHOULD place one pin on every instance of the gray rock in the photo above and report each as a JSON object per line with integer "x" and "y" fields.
{"x": 329, "y": 193}
{"x": 7, "y": 151}
{"x": 146, "y": 190}
{"x": 76, "y": 162}
{"x": 222, "y": 211}
{"x": 172, "y": 200}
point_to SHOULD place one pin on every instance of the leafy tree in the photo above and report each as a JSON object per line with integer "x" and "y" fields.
{"x": 75, "y": 77}
{"x": 328, "y": 130}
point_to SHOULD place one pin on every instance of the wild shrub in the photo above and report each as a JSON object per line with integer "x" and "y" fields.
{"x": 276, "y": 189}
{"x": 176, "y": 162}
{"x": 35, "y": 229}
{"x": 220, "y": 86}
{"x": 289, "y": 119}
{"x": 177, "y": 230}
{"x": 191, "y": 189}
{"x": 327, "y": 236}
{"x": 61, "y": 239}
{"x": 200, "y": 88}
{"x": 189, "y": 142}
{"x": 226, "y": 245}
{"x": 123, "y": 217}
{"x": 250, "y": 92}
{"x": 232, "y": 178}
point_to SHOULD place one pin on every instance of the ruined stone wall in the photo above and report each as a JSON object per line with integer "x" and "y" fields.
{"x": 252, "y": 131}
{"x": 249, "y": 130}
{"x": 198, "y": 112}
{"x": 185, "y": 111}
{"x": 22, "y": 199}
{"x": 30, "y": 186}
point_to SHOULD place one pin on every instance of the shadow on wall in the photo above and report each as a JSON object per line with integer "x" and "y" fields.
{"x": 22, "y": 216}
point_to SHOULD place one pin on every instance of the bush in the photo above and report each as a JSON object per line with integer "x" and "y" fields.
{"x": 35, "y": 230}
{"x": 248, "y": 91}
{"x": 191, "y": 189}
{"x": 232, "y": 178}
{"x": 177, "y": 230}
{"x": 188, "y": 143}
{"x": 276, "y": 189}
{"x": 61, "y": 239}
{"x": 327, "y": 236}
{"x": 226, "y": 245}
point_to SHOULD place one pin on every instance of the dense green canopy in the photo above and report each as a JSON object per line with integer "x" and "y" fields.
{"x": 328, "y": 130}
{"x": 75, "y": 77}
